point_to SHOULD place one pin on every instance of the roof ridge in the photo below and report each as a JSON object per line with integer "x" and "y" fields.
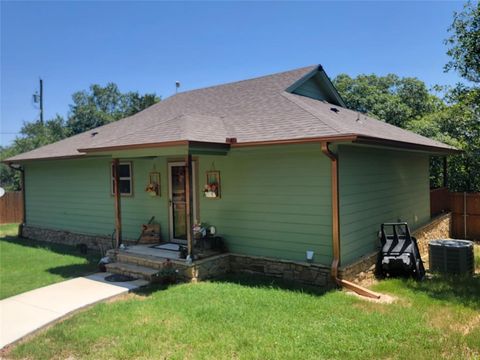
{"x": 327, "y": 123}
{"x": 155, "y": 124}
{"x": 244, "y": 80}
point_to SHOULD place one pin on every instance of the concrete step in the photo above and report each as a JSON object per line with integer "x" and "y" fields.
{"x": 140, "y": 260}
{"x": 132, "y": 270}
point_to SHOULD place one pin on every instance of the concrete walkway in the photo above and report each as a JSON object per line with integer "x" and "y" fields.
{"x": 25, "y": 313}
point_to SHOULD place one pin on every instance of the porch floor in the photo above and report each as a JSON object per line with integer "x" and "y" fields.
{"x": 148, "y": 250}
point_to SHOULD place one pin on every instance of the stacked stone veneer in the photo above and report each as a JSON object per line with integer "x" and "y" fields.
{"x": 66, "y": 237}
{"x": 363, "y": 269}
{"x": 301, "y": 272}
{"x": 214, "y": 266}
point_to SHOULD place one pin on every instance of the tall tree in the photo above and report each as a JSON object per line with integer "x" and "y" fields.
{"x": 464, "y": 43}
{"x": 389, "y": 98}
{"x": 101, "y": 105}
{"x": 464, "y": 121}
{"x": 94, "y": 107}
{"x": 33, "y": 135}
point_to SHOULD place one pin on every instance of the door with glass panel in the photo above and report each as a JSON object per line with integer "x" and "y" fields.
{"x": 178, "y": 201}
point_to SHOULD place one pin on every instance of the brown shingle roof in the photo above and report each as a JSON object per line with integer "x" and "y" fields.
{"x": 255, "y": 110}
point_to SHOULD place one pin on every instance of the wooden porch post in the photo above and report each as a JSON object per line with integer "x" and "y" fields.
{"x": 118, "y": 212}
{"x": 188, "y": 206}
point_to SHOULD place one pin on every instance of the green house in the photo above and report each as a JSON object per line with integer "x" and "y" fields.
{"x": 277, "y": 164}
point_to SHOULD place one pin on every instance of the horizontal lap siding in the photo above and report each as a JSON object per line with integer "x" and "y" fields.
{"x": 378, "y": 186}
{"x": 275, "y": 201}
{"x": 75, "y": 195}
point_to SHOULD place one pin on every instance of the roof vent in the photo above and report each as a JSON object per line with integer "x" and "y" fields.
{"x": 335, "y": 110}
{"x": 94, "y": 133}
{"x": 358, "y": 118}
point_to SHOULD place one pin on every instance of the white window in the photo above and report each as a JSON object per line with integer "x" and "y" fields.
{"x": 125, "y": 177}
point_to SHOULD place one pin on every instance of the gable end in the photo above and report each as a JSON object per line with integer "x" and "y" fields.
{"x": 317, "y": 85}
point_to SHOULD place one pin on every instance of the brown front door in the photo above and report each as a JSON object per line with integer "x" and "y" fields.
{"x": 177, "y": 201}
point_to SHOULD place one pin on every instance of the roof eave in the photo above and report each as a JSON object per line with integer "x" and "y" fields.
{"x": 367, "y": 140}
{"x": 18, "y": 161}
{"x": 157, "y": 145}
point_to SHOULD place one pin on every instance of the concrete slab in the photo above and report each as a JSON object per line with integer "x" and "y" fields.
{"x": 25, "y": 313}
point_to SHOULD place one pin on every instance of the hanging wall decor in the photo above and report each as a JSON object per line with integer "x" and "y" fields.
{"x": 212, "y": 187}
{"x": 153, "y": 187}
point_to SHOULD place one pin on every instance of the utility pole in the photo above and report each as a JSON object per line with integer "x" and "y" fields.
{"x": 41, "y": 101}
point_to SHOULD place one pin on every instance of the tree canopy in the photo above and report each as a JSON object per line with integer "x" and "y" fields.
{"x": 390, "y": 98}
{"x": 464, "y": 43}
{"x": 91, "y": 108}
{"x": 102, "y": 105}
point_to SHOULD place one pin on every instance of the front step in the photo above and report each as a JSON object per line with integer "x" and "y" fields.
{"x": 136, "y": 271}
{"x": 140, "y": 260}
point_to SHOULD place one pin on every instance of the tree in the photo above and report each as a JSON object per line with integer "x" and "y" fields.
{"x": 102, "y": 105}
{"x": 464, "y": 118}
{"x": 95, "y": 107}
{"x": 459, "y": 126}
{"x": 464, "y": 43}
{"x": 33, "y": 135}
{"x": 389, "y": 98}
{"x": 407, "y": 103}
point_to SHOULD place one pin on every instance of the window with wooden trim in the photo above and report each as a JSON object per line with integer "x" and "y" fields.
{"x": 125, "y": 178}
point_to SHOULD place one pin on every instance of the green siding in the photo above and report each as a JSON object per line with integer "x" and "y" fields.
{"x": 74, "y": 195}
{"x": 316, "y": 87}
{"x": 378, "y": 186}
{"x": 311, "y": 88}
{"x": 275, "y": 201}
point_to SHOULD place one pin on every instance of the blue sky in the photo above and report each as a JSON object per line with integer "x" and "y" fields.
{"x": 147, "y": 46}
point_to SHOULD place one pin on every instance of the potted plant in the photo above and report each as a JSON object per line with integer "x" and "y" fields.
{"x": 199, "y": 230}
{"x": 152, "y": 189}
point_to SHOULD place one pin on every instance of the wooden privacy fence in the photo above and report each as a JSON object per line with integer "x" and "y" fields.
{"x": 465, "y": 208}
{"x": 439, "y": 201}
{"x": 465, "y": 215}
{"x": 11, "y": 207}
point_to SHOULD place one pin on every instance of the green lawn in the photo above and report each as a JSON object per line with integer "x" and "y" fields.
{"x": 248, "y": 317}
{"x": 27, "y": 264}
{"x": 253, "y": 318}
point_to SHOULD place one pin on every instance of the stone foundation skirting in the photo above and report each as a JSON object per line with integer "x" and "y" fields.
{"x": 300, "y": 272}
{"x": 218, "y": 265}
{"x": 203, "y": 269}
{"x": 438, "y": 228}
{"x": 66, "y": 237}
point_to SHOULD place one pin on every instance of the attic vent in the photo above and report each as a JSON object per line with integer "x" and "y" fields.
{"x": 94, "y": 133}
{"x": 335, "y": 110}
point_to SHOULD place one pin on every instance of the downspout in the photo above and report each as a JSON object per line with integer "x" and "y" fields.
{"x": 336, "y": 229}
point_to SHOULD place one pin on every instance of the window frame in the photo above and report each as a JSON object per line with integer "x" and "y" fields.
{"x": 129, "y": 178}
